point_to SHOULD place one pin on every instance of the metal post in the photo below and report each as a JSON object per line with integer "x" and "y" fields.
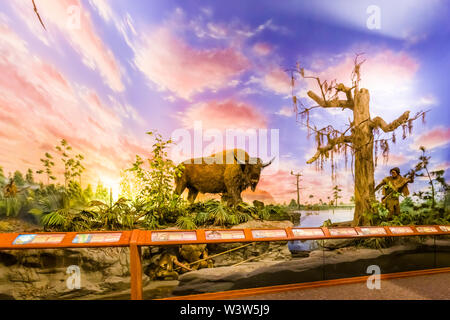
{"x": 135, "y": 267}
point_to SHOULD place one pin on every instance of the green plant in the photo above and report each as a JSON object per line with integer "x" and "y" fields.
{"x": 72, "y": 166}
{"x": 378, "y": 214}
{"x": 327, "y": 223}
{"x": 101, "y": 193}
{"x": 336, "y": 194}
{"x": 56, "y": 212}
{"x": 18, "y": 178}
{"x": 214, "y": 212}
{"x": 29, "y": 177}
{"x": 201, "y": 218}
{"x": 245, "y": 212}
{"x": 218, "y": 212}
{"x": 272, "y": 211}
{"x": 186, "y": 223}
{"x": 155, "y": 183}
{"x": 48, "y": 164}
{"x": 11, "y": 206}
{"x": 2, "y": 178}
{"x": 375, "y": 243}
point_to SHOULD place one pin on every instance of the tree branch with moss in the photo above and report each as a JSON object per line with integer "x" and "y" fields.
{"x": 403, "y": 120}
{"x": 331, "y": 144}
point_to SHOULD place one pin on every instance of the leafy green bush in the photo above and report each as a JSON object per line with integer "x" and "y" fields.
{"x": 154, "y": 183}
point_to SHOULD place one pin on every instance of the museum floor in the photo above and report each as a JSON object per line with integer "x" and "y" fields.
{"x": 425, "y": 287}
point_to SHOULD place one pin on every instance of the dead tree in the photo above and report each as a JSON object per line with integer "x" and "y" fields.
{"x": 297, "y": 176}
{"x": 361, "y": 137}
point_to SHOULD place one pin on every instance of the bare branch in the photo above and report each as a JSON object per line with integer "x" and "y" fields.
{"x": 324, "y": 130}
{"x": 37, "y": 13}
{"x": 356, "y": 76}
{"x": 331, "y": 144}
{"x": 348, "y": 91}
{"x": 402, "y": 120}
{"x": 378, "y": 122}
{"x": 326, "y": 90}
{"x": 334, "y": 103}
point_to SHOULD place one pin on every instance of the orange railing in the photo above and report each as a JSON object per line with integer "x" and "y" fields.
{"x": 135, "y": 239}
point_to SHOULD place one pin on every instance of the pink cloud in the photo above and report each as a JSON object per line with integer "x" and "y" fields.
{"x": 82, "y": 37}
{"x": 388, "y": 75}
{"x": 286, "y": 112}
{"x": 277, "y": 80}
{"x": 393, "y": 160}
{"x": 39, "y": 106}
{"x": 173, "y": 65}
{"x": 434, "y": 138}
{"x": 262, "y": 48}
{"x": 222, "y": 115}
{"x": 103, "y": 8}
{"x": 382, "y": 70}
{"x": 441, "y": 166}
{"x": 282, "y": 185}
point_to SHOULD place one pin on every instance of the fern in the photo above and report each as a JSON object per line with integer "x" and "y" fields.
{"x": 186, "y": 223}
{"x": 219, "y": 214}
{"x": 201, "y": 218}
{"x": 55, "y": 219}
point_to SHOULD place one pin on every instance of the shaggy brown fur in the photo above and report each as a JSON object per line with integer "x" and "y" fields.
{"x": 220, "y": 173}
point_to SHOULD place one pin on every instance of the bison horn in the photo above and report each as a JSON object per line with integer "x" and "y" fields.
{"x": 238, "y": 161}
{"x": 268, "y": 163}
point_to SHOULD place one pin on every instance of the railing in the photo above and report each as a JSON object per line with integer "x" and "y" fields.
{"x": 135, "y": 239}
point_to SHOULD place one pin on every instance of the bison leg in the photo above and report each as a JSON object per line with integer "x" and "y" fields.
{"x": 192, "y": 194}
{"x": 228, "y": 199}
{"x": 225, "y": 198}
{"x": 233, "y": 198}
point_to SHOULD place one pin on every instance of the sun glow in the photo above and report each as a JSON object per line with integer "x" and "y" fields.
{"x": 113, "y": 186}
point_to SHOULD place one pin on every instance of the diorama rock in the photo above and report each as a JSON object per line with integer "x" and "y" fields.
{"x": 105, "y": 273}
{"x": 319, "y": 265}
{"x": 42, "y": 274}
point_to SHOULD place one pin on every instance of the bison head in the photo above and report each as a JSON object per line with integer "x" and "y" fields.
{"x": 252, "y": 170}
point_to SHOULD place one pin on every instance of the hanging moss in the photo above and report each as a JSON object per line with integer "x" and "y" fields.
{"x": 376, "y": 152}
{"x": 410, "y": 126}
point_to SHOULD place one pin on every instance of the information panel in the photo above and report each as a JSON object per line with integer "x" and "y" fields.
{"x": 371, "y": 231}
{"x": 38, "y": 239}
{"x": 445, "y": 228}
{"x": 426, "y": 229}
{"x": 224, "y": 234}
{"x": 308, "y": 232}
{"x": 400, "y": 230}
{"x": 161, "y": 236}
{"x": 97, "y": 237}
{"x": 275, "y": 233}
{"x": 342, "y": 232}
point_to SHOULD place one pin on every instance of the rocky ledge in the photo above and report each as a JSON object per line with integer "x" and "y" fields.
{"x": 105, "y": 273}
{"x": 319, "y": 265}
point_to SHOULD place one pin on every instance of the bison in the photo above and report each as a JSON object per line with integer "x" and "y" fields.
{"x": 228, "y": 172}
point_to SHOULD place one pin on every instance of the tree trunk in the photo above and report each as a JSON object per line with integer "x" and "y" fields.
{"x": 364, "y": 166}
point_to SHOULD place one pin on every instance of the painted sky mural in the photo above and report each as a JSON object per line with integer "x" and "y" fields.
{"x": 103, "y": 73}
